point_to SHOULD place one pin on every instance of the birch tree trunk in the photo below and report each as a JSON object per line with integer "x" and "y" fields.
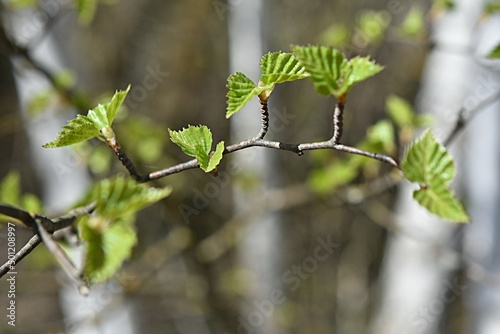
{"x": 418, "y": 274}
{"x": 260, "y": 240}
{"x": 64, "y": 179}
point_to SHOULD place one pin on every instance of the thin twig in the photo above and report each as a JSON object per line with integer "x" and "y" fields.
{"x": 338, "y": 125}
{"x": 264, "y": 112}
{"x": 124, "y": 159}
{"x": 295, "y": 148}
{"x": 28, "y": 248}
{"x": 24, "y": 52}
{"x": 67, "y": 265}
{"x": 50, "y": 225}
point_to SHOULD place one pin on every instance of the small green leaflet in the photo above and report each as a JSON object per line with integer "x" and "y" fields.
{"x": 495, "y": 53}
{"x": 106, "y": 248}
{"x": 324, "y": 64}
{"x": 120, "y": 196}
{"x": 97, "y": 123}
{"x": 196, "y": 141}
{"x": 276, "y": 67}
{"x": 241, "y": 90}
{"x": 428, "y": 163}
{"x": 399, "y": 110}
{"x": 442, "y": 202}
{"x": 86, "y": 10}
{"x": 331, "y": 73}
{"x": 327, "y": 179}
{"x": 360, "y": 69}
{"x": 413, "y": 25}
{"x": 109, "y": 232}
{"x": 77, "y": 130}
{"x": 10, "y": 193}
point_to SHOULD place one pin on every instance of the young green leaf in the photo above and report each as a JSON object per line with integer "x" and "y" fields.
{"x": 196, "y": 141}
{"x": 10, "y": 188}
{"x": 327, "y": 179}
{"x": 241, "y": 90}
{"x": 325, "y": 66}
{"x": 77, "y": 130}
{"x": 118, "y": 197}
{"x": 98, "y": 116}
{"x": 278, "y": 67}
{"x": 108, "y": 246}
{"x": 331, "y": 73}
{"x": 86, "y": 10}
{"x": 399, "y": 110}
{"x": 216, "y": 157}
{"x": 442, "y": 202}
{"x": 115, "y": 104}
{"x": 371, "y": 27}
{"x": 361, "y": 68}
{"x": 104, "y": 115}
{"x": 413, "y": 25}
{"x": 10, "y": 193}
{"x": 428, "y": 163}
{"x": 495, "y": 53}
{"x": 109, "y": 232}
{"x": 97, "y": 122}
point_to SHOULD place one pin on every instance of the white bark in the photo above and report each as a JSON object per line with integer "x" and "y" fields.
{"x": 64, "y": 180}
{"x": 482, "y": 238}
{"x": 261, "y": 234}
{"x": 416, "y": 273}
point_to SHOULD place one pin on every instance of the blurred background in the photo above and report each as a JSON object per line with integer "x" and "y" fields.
{"x": 277, "y": 243}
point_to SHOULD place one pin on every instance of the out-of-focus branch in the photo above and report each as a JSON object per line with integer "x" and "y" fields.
{"x": 14, "y": 49}
{"x": 465, "y": 116}
{"x": 49, "y": 226}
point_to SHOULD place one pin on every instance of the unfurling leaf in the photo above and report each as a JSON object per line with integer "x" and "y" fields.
{"x": 278, "y": 67}
{"x": 428, "y": 163}
{"x": 115, "y": 104}
{"x": 103, "y": 115}
{"x": 216, "y": 157}
{"x": 97, "y": 122}
{"x": 196, "y": 141}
